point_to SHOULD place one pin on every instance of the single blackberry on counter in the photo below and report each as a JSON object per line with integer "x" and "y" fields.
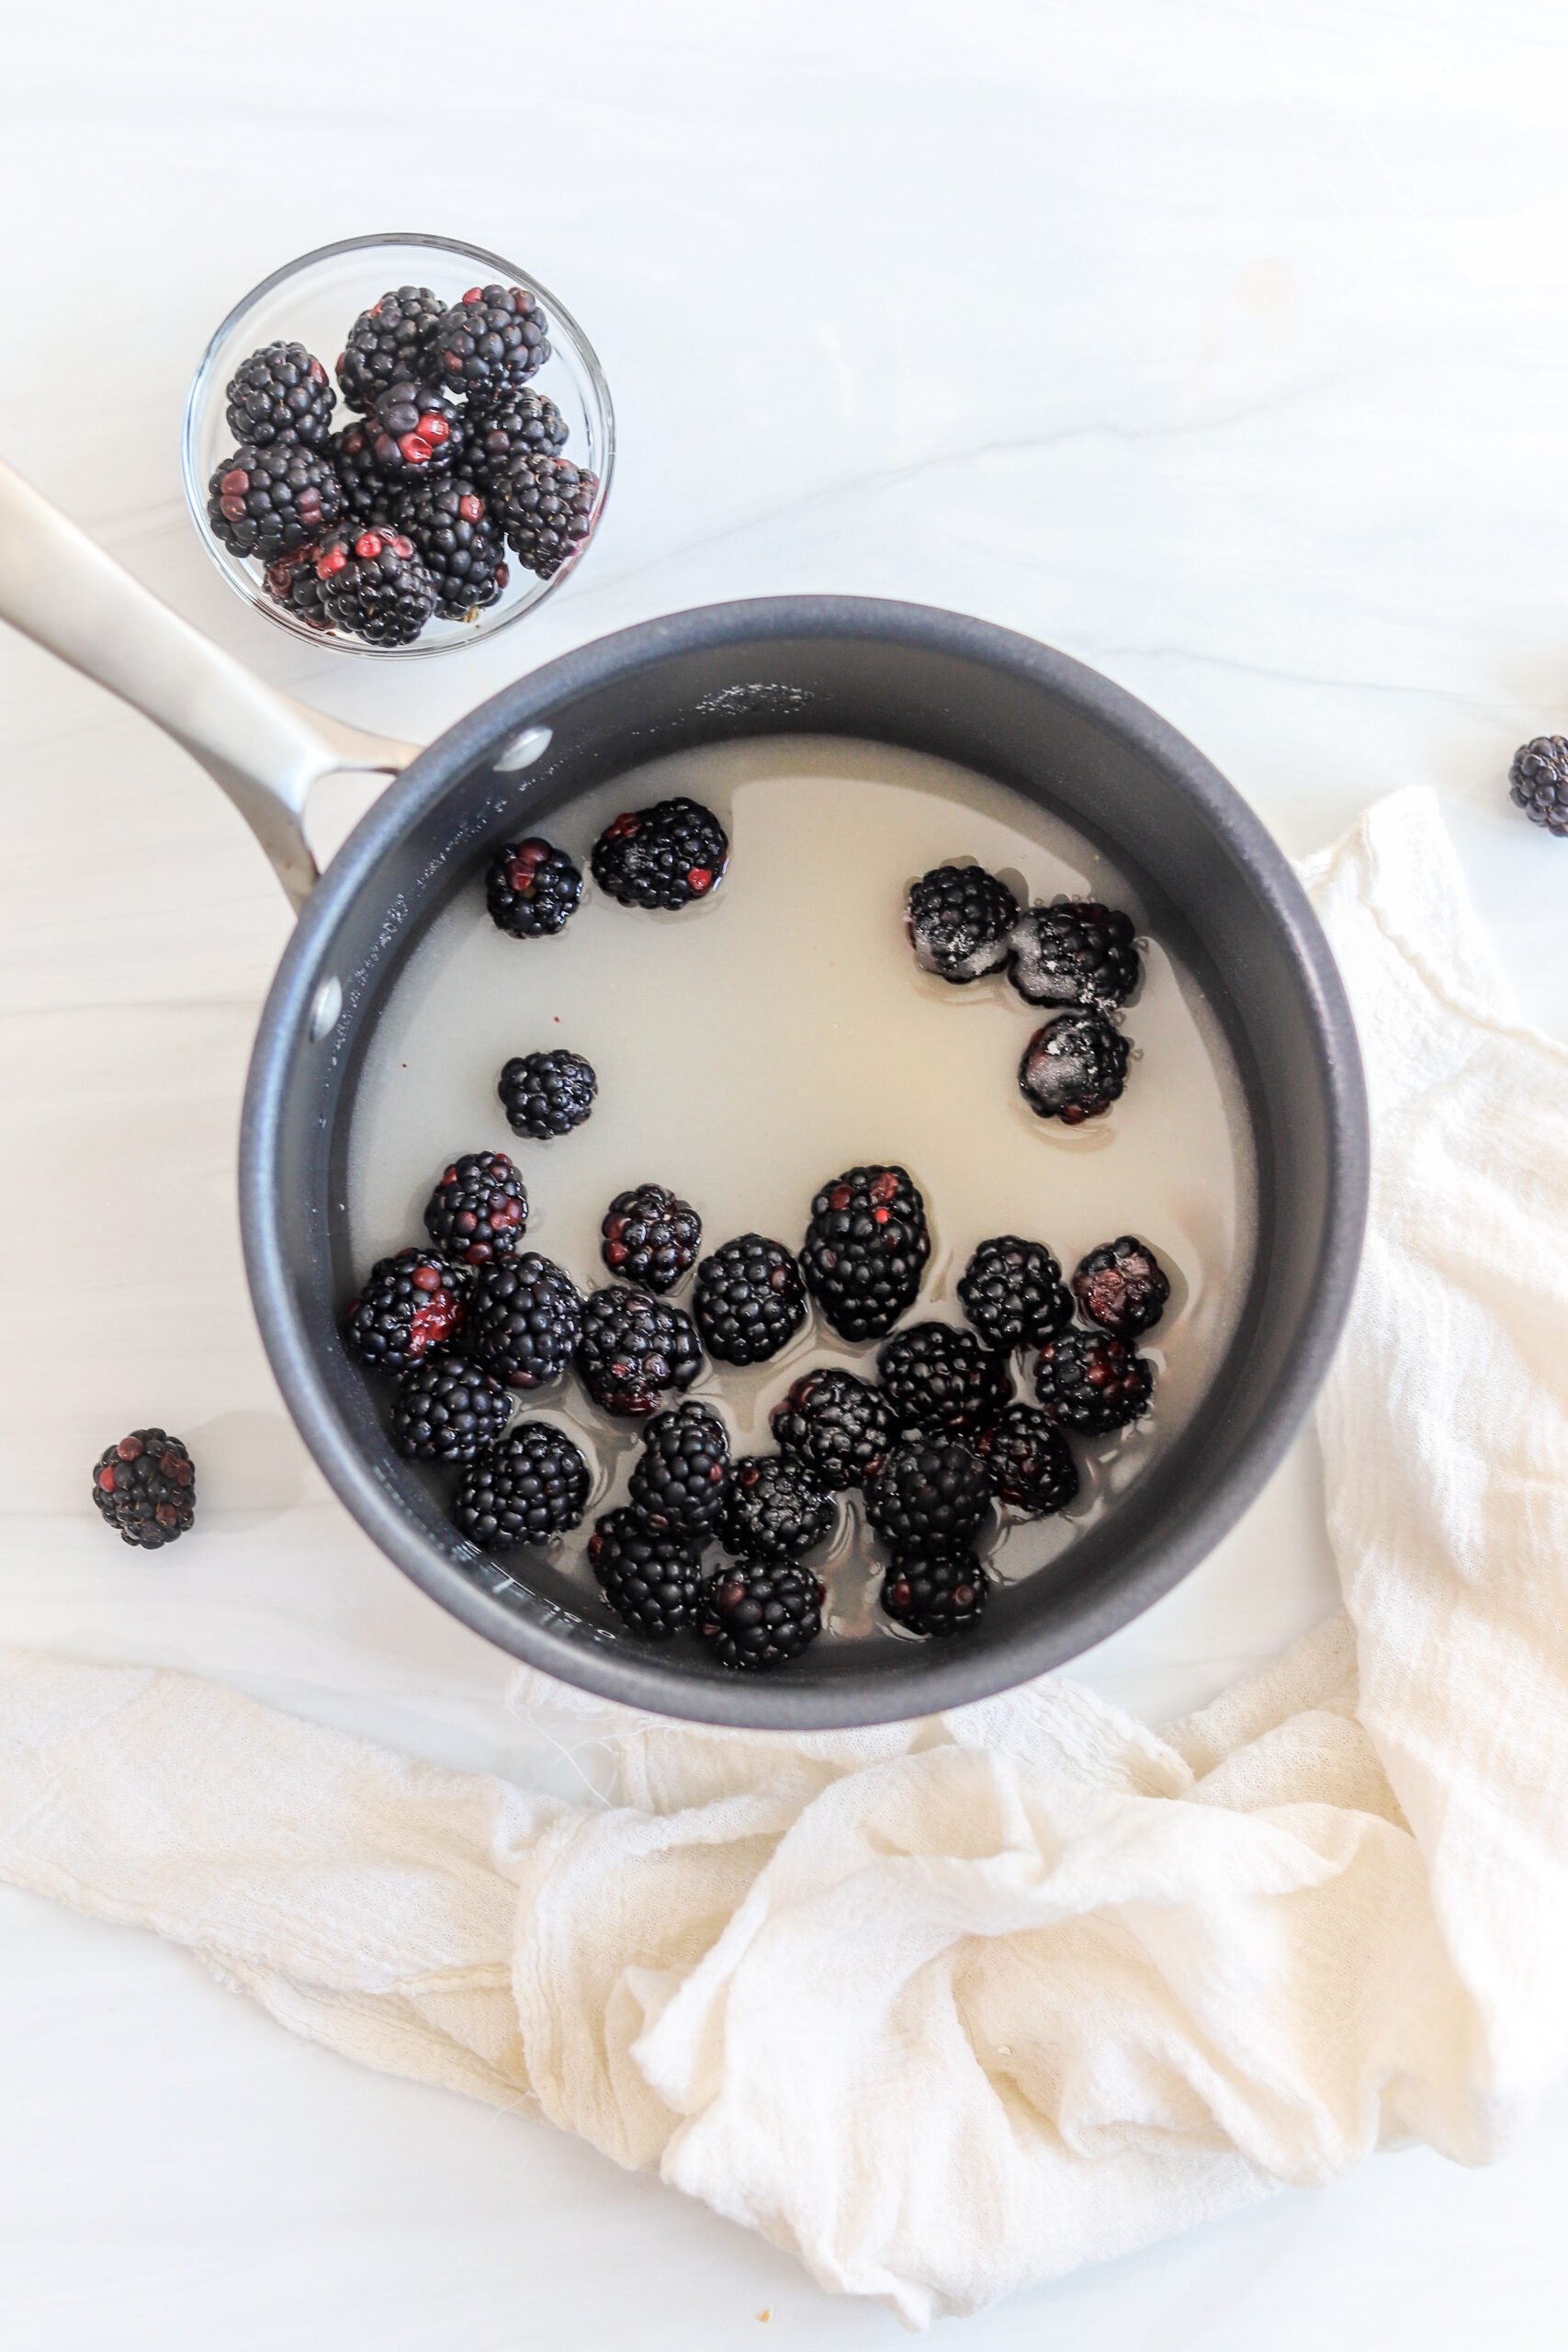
{"x": 662, "y": 856}
{"x": 1092, "y": 1382}
{"x": 491, "y": 343}
{"x": 409, "y": 1308}
{"x": 416, "y": 433}
{"x": 652, "y": 1238}
{"x": 449, "y": 523}
{"x": 1538, "y": 781}
{"x": 265, "y": 503}
{"x": 1029, "y": 1463}
{"x": 390, "y": 342}
{"x": 447, "y": 1411}
{"x": 1074, "y": 1069}
{"x": 1077, "y": 952}
{"x": 546, "y": 507}
{"x": 1014, "y": 1294}
{"x": 525, "y": 1315}
{"x": 145, "y": 1488}
{"x": 679, "y": 1482}
{"x": 633, "y": 1350}
{"x": 368, "y": 495}
{"x": 533, "y": 1485}
{"x": 652, "y": 1581}
{"x": 927, "y": 1494}
{"x": 958, "y": 918}
{"x": 937, "y": 1378}
{"x": 775, "y": 1510}
{"x": 865, "y": 1249}
{"x": 750, "y": 1300}
{"x": 838, "y": 1428}
{"x": 280, "y": 394}
{"x": 532, "y": 888}
{"x": 528, "y": 424}
{"x": 1121, "y": 1286}
{"x": 547, "y": 1095}
{"x": 478, "y": 1209}
{"x": 373, "y": 585}
{"x": 759, "y": 1613}
{"x": 936, "y": 1593}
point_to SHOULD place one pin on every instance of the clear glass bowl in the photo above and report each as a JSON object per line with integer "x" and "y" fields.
{"x": 315, "y": 300}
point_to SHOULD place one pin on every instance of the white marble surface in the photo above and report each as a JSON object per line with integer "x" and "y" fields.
{"x": 1223, "y": 345}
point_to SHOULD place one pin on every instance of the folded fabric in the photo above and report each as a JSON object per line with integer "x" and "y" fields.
{"x": 950, "y": 2007}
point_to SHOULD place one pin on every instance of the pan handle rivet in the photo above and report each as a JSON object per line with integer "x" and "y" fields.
{"x": 523, "y": 750}
{"x": 325, "y": 1007}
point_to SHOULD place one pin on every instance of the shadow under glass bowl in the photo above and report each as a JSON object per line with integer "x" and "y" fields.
{"x": 315, "y": 300}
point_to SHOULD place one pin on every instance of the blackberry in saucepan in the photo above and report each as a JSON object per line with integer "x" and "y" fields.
{"x": 838, "y": 1428}
{"x": 958, "y": 919}
{"x": 1092, "y": 1382}
{"x": 491, "y": 343}
{"x": 1013, "y": 1293}
{"x": 1074, "y": 1069}
{"x": 750, "y": 1300}
{"x": 367, "y": 496}
{"x": 529, "y": 424}
{"x": 651, "y": 1581}
{"x": 278, "y": 394}
{"x": 936, "y": 1593}
{"x": 662, "y": 856}
{"x": 936, "y": 1377}
{"x": 409, "y": 1306}
{"x": 416, "y": 433}
{"x": 681, "y": 1479}
{"x": 145, "y": 1488}
{"x": 478, "y": 1209}
{"x": 775, "y": 1510}
{"x": 373, "y": 585}
{"x": 927, "y": 1494}
{"x": 450, "y": 524}
{"x": 524, "y": 1318}
{"x": 1029, "y": 1463}
{"x": 533, "y": 1485}
{"x": 547, "y": 1095}
{"x": 633, "y": 1350}
{"x": 652, "y": 1238}
{"x": 1121, "y": 1286}
{"x": 1077, "y": 952}
{"x": 1538, "y": 781}
{"x": 865, "y": 1249}
{"x": 265, "y": 503}
{"x": 390, "y": 342}
{"x": 532, "y": 888}
{"x": 760, "y": 1612}
{"x": 546, "y": 507}
{"x": 447, "y": 1411}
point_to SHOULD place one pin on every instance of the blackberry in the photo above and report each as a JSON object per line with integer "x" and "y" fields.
{"x": 750, "y": 1300}
{"x": 760, "y": 1612}
{"x": 937, "y": 1378}
{"x": 1092, "y": 1382}
{"x": 145, "y": 1488}
{"x": 958, "y": 918}
{"x": 478, "y": 1209}
{"x": 447, "y": 1411}
{"x": 933, "y": 1493}
{"x": 546, "y": 507}
{"x": 415, "y": 433}
{"x": 524, "y": 1320}
{"x": 491, "y": 343}
{"x": 633, "y": 1350}
{"x": 1074, "y": 1069}
{"x": 680, "y": 1483}
{"x": 1538, "y": 781}
{"x": 1077, "y": 952}
{"x": 662, "y": 856}
{"x": 528, "y": 424}
{"x": 547, "y": 1095}
{"x": 532, "y": 888}
{"x": 936, "y": 1593}
{"x": 449, "y": 523}
{"x": 865, "y": 1249}
{"x": 532, "y": 1485}
{"x": 410, "y": 1307}
{"x": 652, "y": 1238}
{"x": 776, "y": 1511}
{"x": 1029, "y": 1463}
{"x": 1014, "y": 1294}
{"x": 1121, "y": 1286}
{"x": 368, "y": 495}
{"x": 291, "y": 581}
{"x": 373, "y": 585}
{"x": 388, "y": 344}
{"x": 280, "y": 394}
{"x": 652, "y": 1581}
{"x": 268, "y": 501}
{"x": 837, "y": 1427}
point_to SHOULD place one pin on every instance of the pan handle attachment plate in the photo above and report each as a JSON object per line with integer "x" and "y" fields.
{"x": 266, "y": 751}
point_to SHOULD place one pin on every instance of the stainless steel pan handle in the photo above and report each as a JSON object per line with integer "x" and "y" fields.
{"x": 265, "y": 749}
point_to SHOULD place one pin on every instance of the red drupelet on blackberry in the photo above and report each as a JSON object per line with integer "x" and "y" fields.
{"x": 1014, "y": 1294}
{"x": 410, "y": 1307}
{"x": 1077, "y": 952}
{"x": 958, "y": 918}
{"x": 1121, "y": 1286}
{"x": 389, "y": 344}
{"x": 532, "y": 888}
{"x": 1092, "y": 1382}
{"x": 936, "y": 1593}
{"x": 267, "y": 502}
{"x": 929, "y": 1493}
{"x": 524, "y": 1320}
{"x": 280, "y": 394}
{"x": 546, "y": 506}
{"x": 449, "y": 523}
{"x": 145, "y": 1488}
{"x": 663, "y": 856}
{"x": 1029, "y": 1463}
{"x": 447, "y": 1411}
{"x": 373, "y": 585}
{"x": 838, "y": 1428}
{"x": 750, "y": 1300}
{"x": 478, "y": 1209}
{"x": 775, "y": 1510}
{"x": 633, "y": 1350}
{"x": 759, "y": 1613}
{"x": 936, "y": 1377}
{"x": 652, "y": 1238}
{"x": 680, "y": 1481}
{"x": 532, "y": 1485}
{"x": 547, "y": 1095}
{"x": 491, "y": 343}
{"x": 1074, "y": 1069}
{"x": 866, "y": 1249}
{"x": 416, "y": 433}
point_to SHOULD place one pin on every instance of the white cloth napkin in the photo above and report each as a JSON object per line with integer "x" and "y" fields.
{"x": 956, "y": 2006}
